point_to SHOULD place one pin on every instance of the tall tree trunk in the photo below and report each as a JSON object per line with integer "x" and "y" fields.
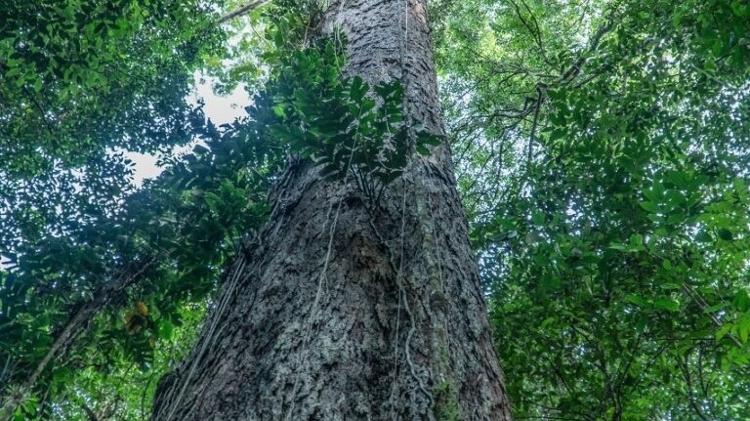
{"x": 343, "y": 314}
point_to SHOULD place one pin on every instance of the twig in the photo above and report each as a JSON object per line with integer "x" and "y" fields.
{"x": 241, "y": 11}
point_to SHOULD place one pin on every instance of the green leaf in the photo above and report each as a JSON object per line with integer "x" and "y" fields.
{"x": 636, "y": 299}
{"x": 279, "y": 110}
{"x": 743, "y": 327}
{"x": 357, "y": 89}
{"x": 725, "y": 234}
{"x": 666, "y": 303}
{"x": 742, "y": 300}
{"x": 538, "y": 218}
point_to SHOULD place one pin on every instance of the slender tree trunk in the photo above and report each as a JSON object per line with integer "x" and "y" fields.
{"x": 339, "y": 313}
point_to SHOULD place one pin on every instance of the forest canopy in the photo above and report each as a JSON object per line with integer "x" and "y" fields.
{"x": 600, "y": 147}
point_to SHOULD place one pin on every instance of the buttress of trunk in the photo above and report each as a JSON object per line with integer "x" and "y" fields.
{"x": 344, "y": 314}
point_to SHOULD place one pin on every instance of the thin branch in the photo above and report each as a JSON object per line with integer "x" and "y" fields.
{"x": 704, "y": 306}
{"x": 689, "y": 383}
{"x": 573, "y": 71}
{"x": 90, "y": 414}
{"x": 535, "y": 123}
{"x": 241, "y": 11}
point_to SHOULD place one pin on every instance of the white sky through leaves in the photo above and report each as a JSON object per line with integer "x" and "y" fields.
{"x": 220, "y": 109}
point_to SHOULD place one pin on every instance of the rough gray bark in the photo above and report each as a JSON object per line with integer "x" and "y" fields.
{"x": 340, "y": 313}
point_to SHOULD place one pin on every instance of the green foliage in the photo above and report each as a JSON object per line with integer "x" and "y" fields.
{"x": 601, "y": 149}
{"x": 615, "y": 245}
{"x": 74, "y": 227}
{"x": 182, "y": 228}
{"x": 81, "y": 82}
{"x": 80, "y": 76}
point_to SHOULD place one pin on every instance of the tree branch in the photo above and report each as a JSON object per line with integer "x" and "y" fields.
{"x": 242, "y": 10}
